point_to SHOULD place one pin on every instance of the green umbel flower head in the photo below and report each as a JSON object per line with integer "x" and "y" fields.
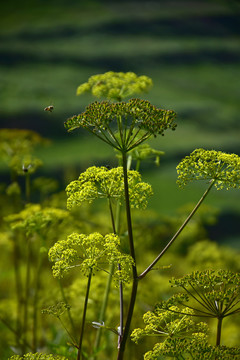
{"x": 35, "y": 219}
{"x": 220, "y": 291}
{"x": 115, "y": 85}
{"x": 90, "y": 253}
{"x": 196, "y": 347}
{"x": 100, "y": 182}
{"x": 169, "y": 323}
{"x": 123, "y": 125}
{"x": 16, "y": 145}
{"x": 202, "y": 164}
{"x": 56, "y": 310}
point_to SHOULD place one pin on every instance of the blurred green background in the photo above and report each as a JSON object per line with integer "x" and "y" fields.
{"x": 191, "y": 50}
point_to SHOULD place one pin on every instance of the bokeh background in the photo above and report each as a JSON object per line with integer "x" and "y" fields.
{"x": 191, "y": 50}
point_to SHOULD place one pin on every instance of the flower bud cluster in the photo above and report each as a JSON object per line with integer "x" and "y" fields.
{"x": 210, "y": 165}
{"x": 56, "y": 310}
{"x": 100, "y": 182}
{"x": 90, "y": 253}
{"x": 115, "y": 85}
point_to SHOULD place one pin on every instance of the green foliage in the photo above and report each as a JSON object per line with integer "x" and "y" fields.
{"x": 115, "y": 85}
{"x": 202, "y": 164}
{"x": 100, "y": 182}
{"x": 89, "y": 253}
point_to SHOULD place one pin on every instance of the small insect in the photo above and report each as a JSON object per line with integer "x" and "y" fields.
{"x": 25, "y": 169}
{"x": 49, "y": 108}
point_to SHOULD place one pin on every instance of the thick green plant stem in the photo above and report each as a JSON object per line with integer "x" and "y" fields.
{"x": 128, "y": 213}
{"x": 84, "y": 316}
{"x": 134, "y": 268}
{"x": 144, "y": 273}
{"x": 219, "y": 331}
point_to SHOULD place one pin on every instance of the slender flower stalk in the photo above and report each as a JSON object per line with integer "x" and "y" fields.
{"x": 115, "y": 228}
{"x": 144, "y": 273}
{"x": 103, "y": 308}
{"x": 84, "y": 316}
{"x": 68, "y": 309}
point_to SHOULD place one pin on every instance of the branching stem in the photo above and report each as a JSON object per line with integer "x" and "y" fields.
{"x": 144, "y": 273}
{"x": 84, "y": 316}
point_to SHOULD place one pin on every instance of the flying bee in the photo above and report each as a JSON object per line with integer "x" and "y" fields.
{"x": 49, "y": 108}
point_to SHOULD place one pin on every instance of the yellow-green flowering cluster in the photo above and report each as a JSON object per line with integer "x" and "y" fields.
{"x": 90, "y": 253}
{"x": 220, "y": 289}
{"x": 169, "y": 323}
{"x": 37, "y": 356}
{"x": 129, "y": 118}
{"x": 16, "y": 146}
{"x": 115, "y": 85}
{"x": 33, "y": 218}
{"x": 100, "y": 182}
{"x": 195, "y": 348}
{"x": 210, "y": 165}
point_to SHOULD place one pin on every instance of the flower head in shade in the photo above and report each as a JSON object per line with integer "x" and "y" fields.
{"x": 202, "y": 164}
{"x": 123, "y": 125}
